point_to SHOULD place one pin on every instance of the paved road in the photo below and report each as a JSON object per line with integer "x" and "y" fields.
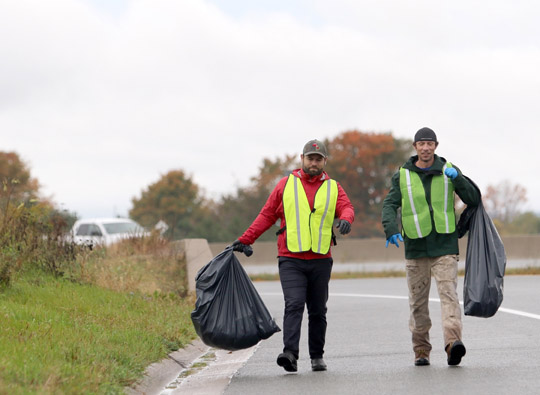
{"x": 369, "y": 349}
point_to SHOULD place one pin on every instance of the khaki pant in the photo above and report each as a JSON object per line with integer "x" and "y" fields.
{"x": 444, "y": 270}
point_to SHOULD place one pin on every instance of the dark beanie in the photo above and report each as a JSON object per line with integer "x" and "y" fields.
{"x": 425, "y": 134}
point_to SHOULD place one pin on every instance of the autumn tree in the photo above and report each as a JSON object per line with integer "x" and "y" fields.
{"x": 238, "y": 210}
{"x": 363, "y": 163}
{"x": 174, "y": 199}
{"x": 30, "y": 225}
{"x": 504, "y": 200}
{"x": 178, "y": 201}
{"x": 15, "y": 177}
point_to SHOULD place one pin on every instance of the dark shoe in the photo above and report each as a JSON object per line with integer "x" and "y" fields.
{"x": 287, "y": 361}
{"x": 421, "y": 362}
{"x": 455, "y": 351}
{"x": 421, "y": 358}
{"x": 318, "y": 365}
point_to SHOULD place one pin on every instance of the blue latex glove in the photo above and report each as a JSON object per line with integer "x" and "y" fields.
{"x": 394, "y": 240}
{"x": 451, "y": 172}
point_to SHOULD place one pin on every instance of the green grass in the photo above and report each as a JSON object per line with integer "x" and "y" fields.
{"x": 59, "y": 336}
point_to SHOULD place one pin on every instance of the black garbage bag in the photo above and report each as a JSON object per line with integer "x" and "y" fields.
{"x": 485, "y": 263}
{"x": 229, "y": 313}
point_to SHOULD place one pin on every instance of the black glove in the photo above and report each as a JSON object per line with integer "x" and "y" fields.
{"x": 343, "y": 226}
{"x": 240, "y": 247}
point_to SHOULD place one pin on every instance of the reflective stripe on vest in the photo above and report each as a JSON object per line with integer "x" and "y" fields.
{"x": 442, "y": 202}
{"x": 309, "y": 230}
{"x": 415, "y": 211}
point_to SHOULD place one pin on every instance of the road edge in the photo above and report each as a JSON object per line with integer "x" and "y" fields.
{"x": 159, "y": 374}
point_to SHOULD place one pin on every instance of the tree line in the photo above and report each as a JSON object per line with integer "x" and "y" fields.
{"x": 362, "y": 162}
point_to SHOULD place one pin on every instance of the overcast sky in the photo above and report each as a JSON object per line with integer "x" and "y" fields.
{"x": 101, "y": 98}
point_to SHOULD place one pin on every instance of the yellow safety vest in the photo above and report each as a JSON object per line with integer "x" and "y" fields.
{"x": 307, "y": 229}
{"x": 415, "y": 211}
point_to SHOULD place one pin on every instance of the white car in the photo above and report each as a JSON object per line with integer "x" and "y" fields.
{"x": 105, "y": 231}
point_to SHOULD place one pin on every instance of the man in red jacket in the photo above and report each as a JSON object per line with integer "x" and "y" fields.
{"x": 306, "y": 202}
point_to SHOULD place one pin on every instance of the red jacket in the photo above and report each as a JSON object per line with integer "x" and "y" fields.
{"x": 273, "y": 210}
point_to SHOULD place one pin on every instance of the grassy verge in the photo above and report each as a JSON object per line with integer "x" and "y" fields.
{"x": 81, "y": 321}
{"x": 58, "y": 336}
{"x": 523, "y": 271}
{"x": 146, "y": 265}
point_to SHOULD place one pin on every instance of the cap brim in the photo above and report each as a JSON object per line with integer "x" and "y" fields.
{"x": 315, "y": 152}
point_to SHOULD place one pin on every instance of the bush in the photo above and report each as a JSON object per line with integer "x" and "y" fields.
{"x": 31, "y": 237}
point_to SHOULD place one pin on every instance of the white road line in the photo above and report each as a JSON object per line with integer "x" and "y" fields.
{"x": 518, "y": 312}
{"x": 348, "y": 295}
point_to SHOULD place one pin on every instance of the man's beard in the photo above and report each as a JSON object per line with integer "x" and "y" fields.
{"x": 313, "y": 172}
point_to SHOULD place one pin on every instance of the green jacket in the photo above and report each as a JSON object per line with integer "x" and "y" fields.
{"x": 434, "y": 244}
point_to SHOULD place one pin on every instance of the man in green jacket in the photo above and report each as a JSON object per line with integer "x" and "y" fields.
{"x": 424, "y": 190}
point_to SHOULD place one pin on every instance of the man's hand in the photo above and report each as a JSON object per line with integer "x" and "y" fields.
{"x": 343, "y": 226}
{"x": 240, "y": 247}
{"x": 451, "y": 173}
{"x": 394, "y": 240}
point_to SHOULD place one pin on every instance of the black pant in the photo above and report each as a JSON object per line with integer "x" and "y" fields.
{"x": 305, "y": 282}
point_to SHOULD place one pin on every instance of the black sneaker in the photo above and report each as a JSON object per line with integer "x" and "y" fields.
{"x": 287, "y": 361}
{"x": 455, "y": 351}
{"x": 421, "y": 358}
{"x": 421, "y": 362}
{"x": 318, "y": 365}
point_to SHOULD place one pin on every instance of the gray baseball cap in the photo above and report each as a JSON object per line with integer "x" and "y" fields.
{"x": 315, "y": 147}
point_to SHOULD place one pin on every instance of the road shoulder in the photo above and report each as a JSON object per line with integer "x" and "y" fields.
{"x": 158, "y": 375}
